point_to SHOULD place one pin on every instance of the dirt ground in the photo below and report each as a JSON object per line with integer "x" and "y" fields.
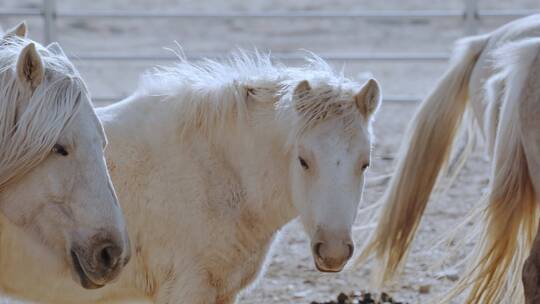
{"x": 290, "y": 276}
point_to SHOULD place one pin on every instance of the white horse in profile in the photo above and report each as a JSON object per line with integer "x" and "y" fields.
{"x": 210, "y": 160}
{"x": 56, "y": 195}
{"x": 498, "y": 75}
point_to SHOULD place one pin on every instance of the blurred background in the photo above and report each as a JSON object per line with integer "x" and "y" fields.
{"x": 113, "y": 41}
{"x": 405, "y": 44}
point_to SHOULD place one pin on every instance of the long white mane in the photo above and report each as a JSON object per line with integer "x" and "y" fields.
{"x": 211, "y": 94}
{"x": 27, "y": 137}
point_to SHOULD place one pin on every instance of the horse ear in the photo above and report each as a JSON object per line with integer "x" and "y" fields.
{"x": 30, "y": 70}
{"x": 20, "y": 30}
{"x": 300, "y": 91}
{"x": 54, "y": 47}
{"x": 369, "y": 98}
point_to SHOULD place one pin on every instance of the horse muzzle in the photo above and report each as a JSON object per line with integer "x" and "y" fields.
{"x": 332, "y": 254}
{"x": 98, "y": 265}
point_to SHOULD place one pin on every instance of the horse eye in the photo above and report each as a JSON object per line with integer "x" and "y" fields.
{"x": 303, "y": 163}
{"x": 365, "y": 166}
{"x": 59, "y": 149}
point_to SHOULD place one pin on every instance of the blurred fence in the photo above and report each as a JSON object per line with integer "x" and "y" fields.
{"x": 470, "y": 14}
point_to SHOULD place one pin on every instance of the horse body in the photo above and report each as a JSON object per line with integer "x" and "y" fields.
{"x": 212, "y": 194}
{"x": 496, "y": 74}
{"x": 484, "y": 72}
{"x": 55, "y": 191}
{"x": 209, "y": 212}
{"x": 211, "y": 160}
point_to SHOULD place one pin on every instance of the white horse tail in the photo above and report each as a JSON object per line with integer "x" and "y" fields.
{"x": 511, "y": 212}
{"x": 421, "y": 157}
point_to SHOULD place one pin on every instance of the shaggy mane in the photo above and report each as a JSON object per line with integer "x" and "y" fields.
{"x": 213, "y": 93}
{"x": 27, "y": 137}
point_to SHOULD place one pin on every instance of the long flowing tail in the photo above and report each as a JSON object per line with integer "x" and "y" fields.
{"x": 511, "y": 211}
{"x": 421, "y": 158}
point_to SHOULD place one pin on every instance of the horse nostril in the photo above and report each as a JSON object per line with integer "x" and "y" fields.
{"x": 106, "y": 257}
{"x": 351, "y": 250}
{"x": 317, "y": 249}
{"x": 109, "y": 256}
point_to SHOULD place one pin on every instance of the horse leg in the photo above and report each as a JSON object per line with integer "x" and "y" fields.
{"x": 531, "y": 144}
{"x": 531, "y": 273}
{"x": 186, "y": 296}
{"x": 531, "y": 268}
{"x": 190, "y": 288}
{"x": 226, "y": 299}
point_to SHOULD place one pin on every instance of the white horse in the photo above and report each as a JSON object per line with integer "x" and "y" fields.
{"x": 211, "y": 160}
{"x": 498, "y": 75}
{"x": 55, "y": 191}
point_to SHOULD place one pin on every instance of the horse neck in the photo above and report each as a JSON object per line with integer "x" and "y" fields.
{"x": 255, "y": 153}
{"x": 139, "y": 120}
{"x": 258, "y": 156}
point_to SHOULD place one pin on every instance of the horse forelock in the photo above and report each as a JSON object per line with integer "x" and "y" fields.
{"x": 28, "y": 135}
{"x": 330, "y": 98}
{"x": 213, "y": 93}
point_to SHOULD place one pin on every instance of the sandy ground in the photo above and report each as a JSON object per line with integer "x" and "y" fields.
{"x": 290, "y": 276}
